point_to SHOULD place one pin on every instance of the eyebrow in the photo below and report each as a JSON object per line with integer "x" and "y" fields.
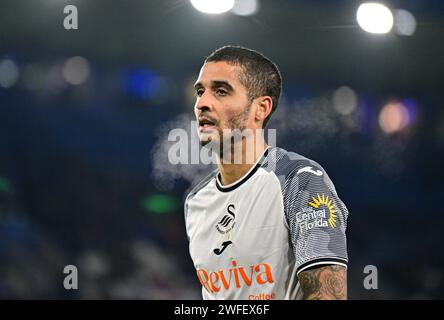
{"x": 216, "y": 83}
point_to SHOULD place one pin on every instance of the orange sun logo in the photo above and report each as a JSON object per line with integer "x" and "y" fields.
{"x": 326, "y": 201}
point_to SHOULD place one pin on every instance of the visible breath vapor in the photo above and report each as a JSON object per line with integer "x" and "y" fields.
{"x": 166, "y": 174}
{"x": 304, "y": 126}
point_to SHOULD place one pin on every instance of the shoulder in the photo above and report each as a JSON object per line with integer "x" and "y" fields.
{"x": 204, "y": 182}
{"x": 294, "y": 170}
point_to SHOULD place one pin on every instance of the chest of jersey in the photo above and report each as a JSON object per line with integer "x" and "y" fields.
{"x": 238, "y": 238}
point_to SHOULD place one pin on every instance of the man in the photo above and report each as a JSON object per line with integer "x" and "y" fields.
{"x": 270, "y": 228}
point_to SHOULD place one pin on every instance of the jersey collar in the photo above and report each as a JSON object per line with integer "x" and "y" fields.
{"x": 246, "y": 176}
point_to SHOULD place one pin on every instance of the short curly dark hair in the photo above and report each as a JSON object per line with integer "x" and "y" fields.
{"x": 260, "y": 75}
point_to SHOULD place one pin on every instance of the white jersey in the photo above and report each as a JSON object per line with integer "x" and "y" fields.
{"x": 250, "y": 239}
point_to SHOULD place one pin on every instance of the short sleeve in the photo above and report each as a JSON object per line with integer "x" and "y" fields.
{"x": 317, "y": 219}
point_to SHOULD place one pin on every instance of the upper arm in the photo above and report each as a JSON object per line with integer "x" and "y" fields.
{"x": 317, "y": 220}
{"x": 324, "y": 283}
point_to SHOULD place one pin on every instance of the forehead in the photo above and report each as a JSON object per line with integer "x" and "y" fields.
{"x": 219, "y": 71}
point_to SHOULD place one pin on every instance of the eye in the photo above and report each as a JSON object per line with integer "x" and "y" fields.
{"x": 199, "y": 92}
{"x": 221, "y": 92}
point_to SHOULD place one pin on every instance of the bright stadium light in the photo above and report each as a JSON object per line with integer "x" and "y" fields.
{"x": 374, "y": 17}
{"x": 213, "y": 6}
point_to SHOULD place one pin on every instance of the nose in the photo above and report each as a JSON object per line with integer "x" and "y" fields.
{"x": 203, "y": 103}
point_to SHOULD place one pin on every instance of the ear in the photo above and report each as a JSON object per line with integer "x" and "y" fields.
{"x": 263, "y": 109}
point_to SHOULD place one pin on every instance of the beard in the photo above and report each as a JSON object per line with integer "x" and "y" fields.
{"x": 217, "y": 143}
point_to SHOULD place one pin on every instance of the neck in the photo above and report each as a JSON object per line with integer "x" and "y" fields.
{"x": 232, "y": 167}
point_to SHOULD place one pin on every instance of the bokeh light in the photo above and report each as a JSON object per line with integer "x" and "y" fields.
{"x": 143, "y": 83}
{"x": 245, "y": 7}
{"x": 9, "y": 73}
{"x": 5, "y": 185}
{"x": 394, "y": 117}
{"x": 76, "y": 70}
{"x": 159, "y": 204}
{"x": 405, "y": 22}
{"x": 345, "y": 100}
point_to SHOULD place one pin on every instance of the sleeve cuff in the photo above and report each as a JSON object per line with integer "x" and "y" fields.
{"x": 321, "y": 261}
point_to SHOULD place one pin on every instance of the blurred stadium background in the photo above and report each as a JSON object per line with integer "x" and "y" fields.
{"x": 84, "y": 116}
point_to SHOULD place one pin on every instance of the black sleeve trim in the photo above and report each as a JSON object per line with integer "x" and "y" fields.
{"x": 321, "y": 261}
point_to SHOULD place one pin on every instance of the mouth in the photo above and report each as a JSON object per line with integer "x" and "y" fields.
{"x": 206, "y": 124}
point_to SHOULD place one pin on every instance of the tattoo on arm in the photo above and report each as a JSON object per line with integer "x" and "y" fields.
{"x": 324, "y": 283}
